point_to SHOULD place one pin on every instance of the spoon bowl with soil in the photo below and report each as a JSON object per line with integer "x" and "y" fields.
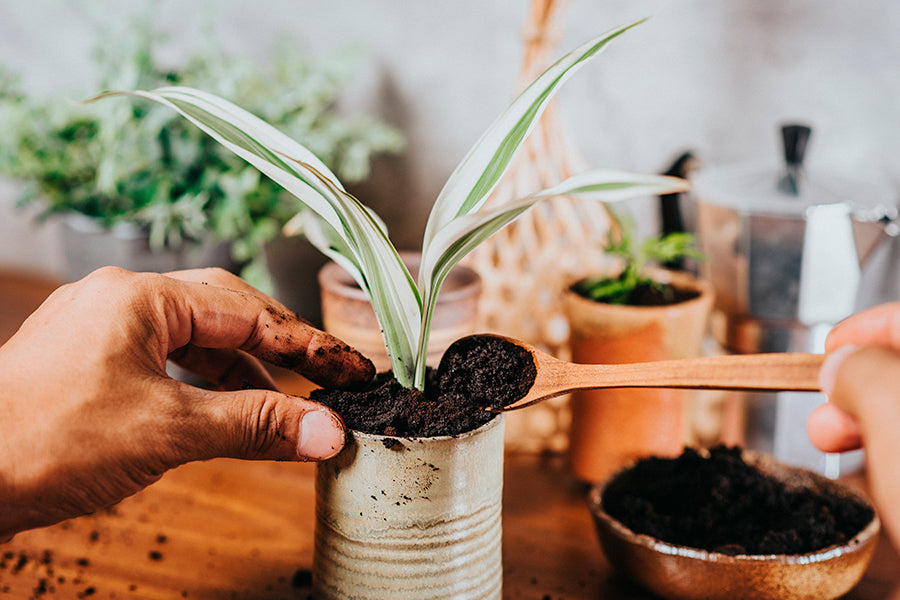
{"x": 728, "y": 524}
{"x": 540, "y": 376}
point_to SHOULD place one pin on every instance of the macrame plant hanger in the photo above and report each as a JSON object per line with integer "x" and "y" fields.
{"x": 526, "y": 265}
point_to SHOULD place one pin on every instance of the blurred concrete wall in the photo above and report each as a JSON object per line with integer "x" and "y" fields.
{"x": 710, "y": 76}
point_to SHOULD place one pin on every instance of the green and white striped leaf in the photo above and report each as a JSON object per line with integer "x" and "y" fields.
{"x": 347, "y": 226}
{"x": 470, "y": 184}
{"x": 464, "y": 233}
{"x": 352, "y": 235}
{"x": 480, "y": 170}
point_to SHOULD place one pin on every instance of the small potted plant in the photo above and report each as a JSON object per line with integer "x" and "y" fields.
{"x": 139, "y": 187}
{"x": 638, "y": 313}
{"x": 411, "y": 509}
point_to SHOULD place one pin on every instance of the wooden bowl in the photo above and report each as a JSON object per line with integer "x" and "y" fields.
{"x": 679, "y": 572}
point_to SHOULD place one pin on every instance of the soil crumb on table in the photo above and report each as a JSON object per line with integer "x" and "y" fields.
{"x": 723, "y": 504}
{"x": 478, "y": 373}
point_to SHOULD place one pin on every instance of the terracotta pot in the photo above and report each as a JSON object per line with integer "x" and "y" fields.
{"x": 613, "y": 428}
{"x": 411, "y": 517}
{"x": 348, "y": 315}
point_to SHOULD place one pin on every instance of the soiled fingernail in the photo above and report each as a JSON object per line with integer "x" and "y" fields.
{"x": 830, "y": 366}
{"x": 321, "y": 435}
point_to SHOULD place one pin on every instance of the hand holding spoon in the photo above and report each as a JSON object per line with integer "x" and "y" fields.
{"x": 543, "y": 377}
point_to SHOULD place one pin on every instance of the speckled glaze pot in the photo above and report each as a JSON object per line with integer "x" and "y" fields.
{"x": 348, "y": 314}
{"x": 612, "y": 428}
{"x": 411, "y": 517}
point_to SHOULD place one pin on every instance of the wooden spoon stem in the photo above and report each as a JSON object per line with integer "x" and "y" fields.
{"x": 767, "y": 372}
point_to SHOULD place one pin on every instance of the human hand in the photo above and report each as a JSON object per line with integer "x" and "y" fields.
{"x": 88, "y": 415}
{"x": 861, "y": 377}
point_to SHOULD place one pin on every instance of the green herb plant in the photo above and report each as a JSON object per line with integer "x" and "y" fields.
{"x": 352, "y": 235}
{"x": 145, "y": 165}
{"x": 633, "y": 280}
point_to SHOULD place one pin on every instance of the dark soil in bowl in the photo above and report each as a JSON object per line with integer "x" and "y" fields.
{"x": 479, "y": 373}
{"x": 721, "y": 503}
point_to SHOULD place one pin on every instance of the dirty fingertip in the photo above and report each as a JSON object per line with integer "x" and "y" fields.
{"x": 361, "y": 371}
{"x": 341, "y": 366}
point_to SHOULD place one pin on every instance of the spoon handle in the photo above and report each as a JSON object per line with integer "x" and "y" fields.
{"x": 779, "y": 371}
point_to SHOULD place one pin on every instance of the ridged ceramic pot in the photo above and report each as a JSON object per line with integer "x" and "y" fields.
{"x": 411, "y": 517}
{"x": 612, "y": 428}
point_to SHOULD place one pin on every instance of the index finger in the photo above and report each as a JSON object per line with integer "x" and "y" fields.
{"x": 876, "y": 326}
{"x": 210, "y": 315}
{"x": 222, "y": 278}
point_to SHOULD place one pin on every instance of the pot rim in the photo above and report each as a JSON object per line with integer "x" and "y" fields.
{"x": 678, "y": 279}
{"x": 467, "y": 281}
{"x": 494, "y": 422}
{"x": 86, "y": 224}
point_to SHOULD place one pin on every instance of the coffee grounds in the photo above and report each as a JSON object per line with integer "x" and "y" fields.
{"x": 477, "y": 374}
{"x": 722, "y": 504}
{"x": 302, "y": 578}
{"x": 387, "y": 408}
{"x": 489, "y": 371}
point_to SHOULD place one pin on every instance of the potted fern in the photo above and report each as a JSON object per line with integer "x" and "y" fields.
{"x": 638, "y": 313}
{"x": 410, "y": 512}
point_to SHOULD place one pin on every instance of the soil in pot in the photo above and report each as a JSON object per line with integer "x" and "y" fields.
{"x": 718, "y": 502}
{"x": 656, "y": 294}
{"x": 481, "y": 373}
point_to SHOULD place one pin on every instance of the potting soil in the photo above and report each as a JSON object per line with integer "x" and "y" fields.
{"x": 480, "y": 373}
{"x": 721, "y": 503}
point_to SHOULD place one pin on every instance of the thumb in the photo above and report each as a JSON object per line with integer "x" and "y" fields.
{"x": 264, "y": 424}
{"x": 865, "y": 383}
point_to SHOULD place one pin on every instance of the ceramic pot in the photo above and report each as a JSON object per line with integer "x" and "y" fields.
{"x": 676, "y": 572}
{"x": 348, "y": 315}
{"x": 613, "y": 428}
{"x": 87, "y": 246}
{"x": 411, "y": 517}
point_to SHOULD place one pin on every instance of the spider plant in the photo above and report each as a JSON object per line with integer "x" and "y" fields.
{"x": 351, "y": 234}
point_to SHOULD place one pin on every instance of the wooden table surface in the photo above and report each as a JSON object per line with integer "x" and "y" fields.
{"x": 229, "y": 529}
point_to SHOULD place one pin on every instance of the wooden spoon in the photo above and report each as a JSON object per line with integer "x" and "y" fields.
{"x": 782, "y": 371}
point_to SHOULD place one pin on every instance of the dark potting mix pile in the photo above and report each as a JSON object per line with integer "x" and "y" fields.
{"x": 476, "y": 373}
{"x": 720, "y": 503}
